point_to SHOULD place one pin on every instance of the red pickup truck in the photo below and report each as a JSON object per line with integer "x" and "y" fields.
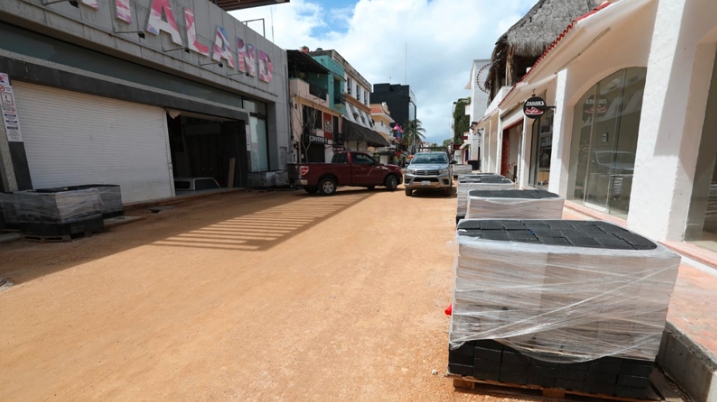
{"x": 346, "y": 169}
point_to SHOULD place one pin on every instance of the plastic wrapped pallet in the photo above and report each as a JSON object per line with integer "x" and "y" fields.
{"x": 478, "y": 182}
{"x": 110, "y": 198}
{"x": 561, "y": 291}
{"x": 514, "y": 204}
{"x": 60, "y": 205}
{"x": 7, "y": 207}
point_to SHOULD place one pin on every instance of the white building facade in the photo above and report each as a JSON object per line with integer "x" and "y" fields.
{"x": 632, "y": 135}
{"x": 470, "y": 149}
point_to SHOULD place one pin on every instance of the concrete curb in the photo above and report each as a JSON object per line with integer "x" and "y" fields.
{"x": 690, "y": 365}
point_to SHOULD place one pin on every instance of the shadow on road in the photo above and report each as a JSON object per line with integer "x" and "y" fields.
{"x": 262, "y": 230}
{"x": 250, "y": 221}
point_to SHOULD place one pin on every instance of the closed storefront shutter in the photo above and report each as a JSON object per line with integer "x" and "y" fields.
{"x": 73, "y": 138}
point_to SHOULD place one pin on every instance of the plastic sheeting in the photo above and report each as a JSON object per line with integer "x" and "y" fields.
{"x": 513, "y": 208}
{"x": 562, "y": 304}
{"x": 110, "y": 197}
{"x": 51, "y": 205}
{"x": 466, "y": 185}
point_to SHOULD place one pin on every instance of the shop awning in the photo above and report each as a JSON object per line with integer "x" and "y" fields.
{"x": 577, "y": 38}
{"x": 356, "y": 132}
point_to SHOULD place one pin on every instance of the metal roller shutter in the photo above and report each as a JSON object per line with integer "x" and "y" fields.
{"x": 73, "y": 138}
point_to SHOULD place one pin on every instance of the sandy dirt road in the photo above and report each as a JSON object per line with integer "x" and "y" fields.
{"x": 247, "y": 296}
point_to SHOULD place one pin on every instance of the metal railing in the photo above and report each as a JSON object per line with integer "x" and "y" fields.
{"x": 340, "y": 99}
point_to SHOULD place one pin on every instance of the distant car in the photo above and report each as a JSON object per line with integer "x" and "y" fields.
{"x": 429, "y": 170}
{"x": 345, "y": 169}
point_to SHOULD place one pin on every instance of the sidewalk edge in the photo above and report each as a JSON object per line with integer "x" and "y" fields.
{"x": 690, "y": 365}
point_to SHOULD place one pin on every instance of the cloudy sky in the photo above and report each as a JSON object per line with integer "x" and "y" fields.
{"x": 442, "y": 38}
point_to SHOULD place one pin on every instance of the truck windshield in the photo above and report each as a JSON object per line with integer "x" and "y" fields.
{"x": 423, "y": 159}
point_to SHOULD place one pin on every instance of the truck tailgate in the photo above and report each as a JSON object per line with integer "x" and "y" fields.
{"x": 293, "y": 170}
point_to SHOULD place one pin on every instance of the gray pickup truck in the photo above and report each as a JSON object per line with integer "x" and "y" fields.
{"x": 429, "y": 170}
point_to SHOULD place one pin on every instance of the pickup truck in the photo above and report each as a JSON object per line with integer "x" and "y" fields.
{"x": 346, "y": 169}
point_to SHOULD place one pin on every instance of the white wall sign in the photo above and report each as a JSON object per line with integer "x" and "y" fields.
{"x": 9, "y": 110}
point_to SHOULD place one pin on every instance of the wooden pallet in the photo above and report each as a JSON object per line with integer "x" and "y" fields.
{"x": 659, "y": 391}
{"x": 57, "y": 239}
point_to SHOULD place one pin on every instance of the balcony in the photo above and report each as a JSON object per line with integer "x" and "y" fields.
{"x": 231, "y": 5}
{"x": 340, "y": 99}
{"x": 311, "y": 92}
{"x": 317, "y": 91}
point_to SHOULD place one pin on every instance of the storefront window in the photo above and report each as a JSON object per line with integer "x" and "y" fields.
{"x": 602, "y": 158}
{"x": 541, "y": 150}
{"x": 702, "y": 218}
{"x": 259, "y": 136}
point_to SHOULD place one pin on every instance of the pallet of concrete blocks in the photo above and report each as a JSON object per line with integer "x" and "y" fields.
{"x": 514, "y": 204}
{"x": 110, "y": 198}
{"x": 578, "y": 306}
{"x": 7, "y": 209}
{"x": 484, "y": 181}
{"x": 57, "y": 212}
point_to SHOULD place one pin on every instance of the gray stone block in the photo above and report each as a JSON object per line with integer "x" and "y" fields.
{"x": 691, "y": 366}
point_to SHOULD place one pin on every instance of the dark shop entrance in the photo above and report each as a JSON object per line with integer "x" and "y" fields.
{"x": 208, "y": 153}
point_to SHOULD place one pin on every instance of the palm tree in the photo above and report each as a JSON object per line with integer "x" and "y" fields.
{"x": 413, "y": 134}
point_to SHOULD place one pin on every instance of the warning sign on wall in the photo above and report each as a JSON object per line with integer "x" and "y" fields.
{"x": 10, "y": 119}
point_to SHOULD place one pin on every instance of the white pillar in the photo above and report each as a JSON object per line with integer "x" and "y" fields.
{"x": 673, "y": 113}
{"x": 525, "y": 150}
{"x": 499, "y": 148}
{"x": 562, "y": 132}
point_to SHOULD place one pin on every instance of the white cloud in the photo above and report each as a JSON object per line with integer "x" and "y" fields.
{"x": 442, "y": 36}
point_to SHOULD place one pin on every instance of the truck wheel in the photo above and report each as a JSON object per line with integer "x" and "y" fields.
{"x": 391, "y": 183}
{"x": 327, "y": 186}
{"x": 409, "y": 192}
{"x": 311, "y": 189}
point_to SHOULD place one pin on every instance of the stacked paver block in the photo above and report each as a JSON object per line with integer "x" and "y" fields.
{"x": 7, "y": 208}
{"x": 514, "y": 204}
{"x": 57, "y": 212}
{"x": 567, "y": 304}
{"x": 477, "y": 182}
{"x": 110, "y": 198}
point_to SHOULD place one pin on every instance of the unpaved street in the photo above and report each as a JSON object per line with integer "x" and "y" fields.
{"x": 245, "y": 296}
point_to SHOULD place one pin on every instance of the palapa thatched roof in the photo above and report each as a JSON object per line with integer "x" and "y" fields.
{"x": 529, "y": 37}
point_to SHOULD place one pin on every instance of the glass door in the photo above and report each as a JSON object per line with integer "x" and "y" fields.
{"x": 605, "y": 132}
{"x": 603, "y": 141}
{"x": 542, "y": 146}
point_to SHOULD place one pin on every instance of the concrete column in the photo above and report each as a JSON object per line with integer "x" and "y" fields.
{"x": 485, "y": 148}
{"x": 524, "y": 157}
{"x": 562, "y": 133}
{"x": 673, "y": 115}
{"x": 499, "y": 148}
{"x": 7, "y": 173}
